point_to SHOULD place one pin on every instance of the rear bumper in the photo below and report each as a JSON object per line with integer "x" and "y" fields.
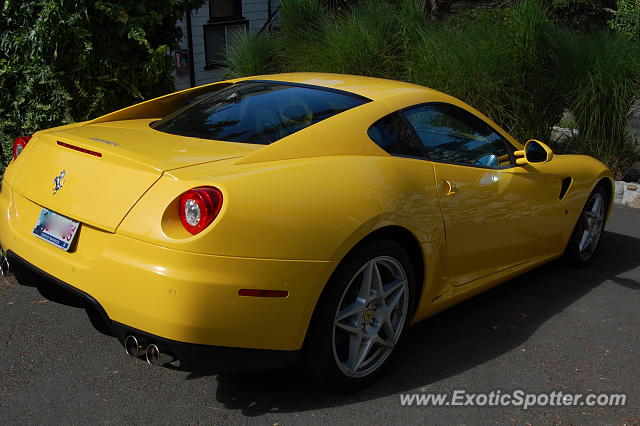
{"x": 214, "y": 359}
{"x": 179, "y": 296}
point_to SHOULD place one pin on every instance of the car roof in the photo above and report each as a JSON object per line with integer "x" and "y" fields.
{"x": 387, "y": 96}
{"x": 370, "y": 87}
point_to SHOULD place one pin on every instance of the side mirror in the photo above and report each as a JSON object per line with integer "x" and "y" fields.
{"x": 534, "y": 152}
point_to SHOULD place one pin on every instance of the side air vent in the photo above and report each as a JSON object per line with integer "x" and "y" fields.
{"x": 566, "y": 183}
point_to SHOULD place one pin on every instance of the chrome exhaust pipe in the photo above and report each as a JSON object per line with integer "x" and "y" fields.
{"x": 4, "y": 266}
{"x": 155, "y": 357}
{"x": 133, "y": 347}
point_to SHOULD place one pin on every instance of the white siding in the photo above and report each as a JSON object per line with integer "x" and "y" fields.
{"x": 254, "y": 11}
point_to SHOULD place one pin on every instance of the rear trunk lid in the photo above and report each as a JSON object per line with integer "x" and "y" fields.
{"x": 128, "y": 157}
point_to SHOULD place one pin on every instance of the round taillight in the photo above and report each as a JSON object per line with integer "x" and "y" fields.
{"x": 18, "y": 145}
{"x": 199, "y": 207}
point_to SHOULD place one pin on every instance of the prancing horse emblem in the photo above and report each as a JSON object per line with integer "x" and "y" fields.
{"x": 59, "y": 182}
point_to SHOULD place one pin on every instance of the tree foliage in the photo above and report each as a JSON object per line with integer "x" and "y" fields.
{"x": 627, "y": 18}
{"x": 70, "y": 60}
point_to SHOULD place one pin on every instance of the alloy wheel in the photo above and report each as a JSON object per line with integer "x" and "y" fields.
{"x": 370, "y": 316}
{"x": 593, "y": 219}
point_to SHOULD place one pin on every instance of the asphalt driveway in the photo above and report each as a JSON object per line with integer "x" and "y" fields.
{"x": 554, "y": 329}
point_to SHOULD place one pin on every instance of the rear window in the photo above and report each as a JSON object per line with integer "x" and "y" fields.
{"x": 257, "y": 112}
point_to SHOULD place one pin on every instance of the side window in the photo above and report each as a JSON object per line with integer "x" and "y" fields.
{"x": 452, "y": 135}
{"x": 394, "y": 135}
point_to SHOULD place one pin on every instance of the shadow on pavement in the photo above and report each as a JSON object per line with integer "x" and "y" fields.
{"x": 452, "y": 342}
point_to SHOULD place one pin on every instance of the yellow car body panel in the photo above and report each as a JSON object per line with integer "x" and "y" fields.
{"x": 292, "y": 211}
{"x": 182, "y": 296}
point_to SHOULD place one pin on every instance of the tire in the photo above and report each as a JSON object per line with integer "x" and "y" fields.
{"x": 345, "y": 324}
{"x": 587, "y": 234}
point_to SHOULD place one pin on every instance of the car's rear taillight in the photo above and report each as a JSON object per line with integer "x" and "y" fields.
{"x": 199, "y": 207}
{"x": 18, "y": 145}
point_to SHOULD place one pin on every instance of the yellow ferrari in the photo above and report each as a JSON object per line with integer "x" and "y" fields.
{"x": 306, "y": 217}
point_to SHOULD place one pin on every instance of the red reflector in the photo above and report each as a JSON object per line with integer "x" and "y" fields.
{"x": 77, "y": 148}
{"x": 262, "y": 293}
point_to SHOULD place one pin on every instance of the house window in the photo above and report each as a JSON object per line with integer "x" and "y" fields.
{"x": 225, "y": 21}
{"x": 225, "y": 10}
{"x": 217, "y": 38}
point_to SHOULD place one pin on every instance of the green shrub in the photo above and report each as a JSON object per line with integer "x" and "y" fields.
{"x": 63, "y": 61}
{"x": 627, "y": 18}
{"x": 412, "y": 18}
{"x": 495, "y": 60}
{"x": 362, "y": 41}
{"x": 600, "y": 76}
{"x": 464, "y": 57}
{"x": 534, "y": 94}
{"x": 252, "y": 54}
{"x": 300, "y": 32}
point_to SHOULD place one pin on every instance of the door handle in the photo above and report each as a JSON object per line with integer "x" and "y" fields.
{"x": 449, "y": 187}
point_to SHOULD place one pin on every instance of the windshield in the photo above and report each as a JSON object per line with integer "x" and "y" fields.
{"x": 257, "y": 112}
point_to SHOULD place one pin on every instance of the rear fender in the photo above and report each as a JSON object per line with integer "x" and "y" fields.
{"x": 306, "y": 209}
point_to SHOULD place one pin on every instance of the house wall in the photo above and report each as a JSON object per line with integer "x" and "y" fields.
{"x": 254, "y": 11}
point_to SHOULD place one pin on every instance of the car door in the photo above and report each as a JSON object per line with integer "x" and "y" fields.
{"x": 494, "y": 211}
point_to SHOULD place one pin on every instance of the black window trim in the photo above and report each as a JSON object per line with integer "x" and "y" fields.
{"x": 424, "y": 155}
{"x": 225, "y": 19}
{"x": 512, "y": 162}
{"x": 364, "y": 99}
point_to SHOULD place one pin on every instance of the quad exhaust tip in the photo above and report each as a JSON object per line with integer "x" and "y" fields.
{"x": 133, "y": 347}
{"x": 4, "y": 266}
{"x": 152, "y": 353}
{"x": 155, "y": 357}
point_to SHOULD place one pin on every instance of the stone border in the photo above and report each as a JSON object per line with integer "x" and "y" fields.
{"x": 627, "y": 193}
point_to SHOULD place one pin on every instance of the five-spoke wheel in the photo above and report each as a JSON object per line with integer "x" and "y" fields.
{"x": 362, "y": 315}
{"x": 593, "y": 217}
{"x": 588, "y": 231}
{"x": 370, "y": 316}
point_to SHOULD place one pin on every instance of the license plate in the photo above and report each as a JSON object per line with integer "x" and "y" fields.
{"x": 56, "y": 229}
